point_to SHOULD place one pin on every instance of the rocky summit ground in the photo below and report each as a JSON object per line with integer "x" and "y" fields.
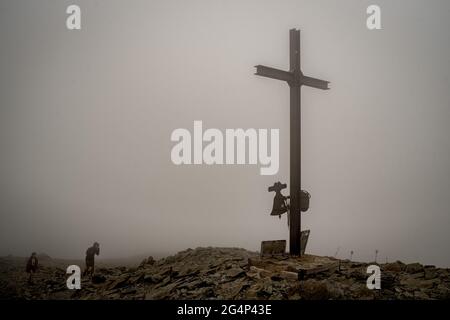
{"x": 228, "y": 273}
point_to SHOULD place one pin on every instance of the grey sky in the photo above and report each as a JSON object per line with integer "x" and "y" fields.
{"x": 86, "y": 118}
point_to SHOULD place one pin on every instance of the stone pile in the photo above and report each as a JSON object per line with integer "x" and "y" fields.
{"x": 232, "y": 273}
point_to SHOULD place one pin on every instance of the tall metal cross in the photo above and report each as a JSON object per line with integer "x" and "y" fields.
{"x": 295, "y": 79}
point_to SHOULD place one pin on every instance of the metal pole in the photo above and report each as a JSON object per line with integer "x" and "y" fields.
{"x": 295, "y": 144}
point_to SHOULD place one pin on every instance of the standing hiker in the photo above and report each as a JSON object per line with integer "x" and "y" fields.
{"x": 32, "y": 266}
{"x": 90, "y": 257}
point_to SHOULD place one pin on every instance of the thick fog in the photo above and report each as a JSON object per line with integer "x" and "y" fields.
{"x": 86, "y": 119}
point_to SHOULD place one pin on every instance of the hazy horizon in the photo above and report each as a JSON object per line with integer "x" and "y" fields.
{"x": 86, "y": 118}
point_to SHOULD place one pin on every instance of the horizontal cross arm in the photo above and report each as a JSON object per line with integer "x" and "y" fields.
{"x": 274, "y": 73}
{"x": 315, "y": 83}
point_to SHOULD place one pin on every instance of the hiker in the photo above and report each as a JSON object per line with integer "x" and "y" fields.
{"x": 32, "y": 266}
{"x": 90, "y": 257}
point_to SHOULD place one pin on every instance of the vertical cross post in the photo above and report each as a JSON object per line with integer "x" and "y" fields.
{"x": 295, "y": 143}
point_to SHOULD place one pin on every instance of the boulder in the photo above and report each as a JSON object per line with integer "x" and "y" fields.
{"x": 287, "y": 275}
{"x": 234, "y": 272}
{"x": 430, "y": 272}
{"x": 314, "y": 290}
{"x": 395, "y": 266}
{"x": 98, "y": 278}
{"x": 414, "y": 268}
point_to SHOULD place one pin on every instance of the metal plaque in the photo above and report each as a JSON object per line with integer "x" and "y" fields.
{"x": 273, "y": 247}
{"x": 304, "y": 240}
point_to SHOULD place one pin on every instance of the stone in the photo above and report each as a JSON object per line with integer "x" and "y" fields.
{"x": 395, "y": 266}
{"x": 416, "y": 275}
{"x": 257, "y": 262}
{"x": 421, "y": 295}
{"x": 287, "y": 275}
{"x": 430, "y": 273}
{"x": 427, "y": 284}
{"x": 443, "y": 292}
{"x": 314, "y": 270}
{"x": 388, "y": 280}
{"x": 335, "y": 292}
{"x": 411, "y": 283}
{"x": 193, "y": 284}
{"x": 98, "y": 278}
{"x": 129, "y": 290}
{"x": 261, "y": 273}
{"x": 314, "y": 290}
{"x": 234, "y": 272}
{"x": 149, "y": 278}
{"x": 118, "y": 283}
{"x": 232, "y": 289}
{"x": 229, "y": 273}
{"x": 357, "y": 274}
{"x": 414, "y": 268}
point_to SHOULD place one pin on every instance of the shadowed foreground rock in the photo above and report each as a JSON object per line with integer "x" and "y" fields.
{"x": 231, "y": 273}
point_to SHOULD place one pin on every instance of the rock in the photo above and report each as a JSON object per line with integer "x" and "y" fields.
{"x": 104, "y": 271}
{"x": 258, "y": 273}
{"x": 355, "y": 264}
{"x": 193, "y": 284}
{"x": 148, "y": 278}
{"x": 416, "y": 275}
{"x": 98, "y": 278}
{"x": 234, "y": 272}
{"x": 206, "y": 292}
{"x": 168, "y": 271}
{"x": 388, "y": 280}
{"x": 314, "y": 290}
{"x": 410, "y": 284}
{"x": 232, "y": 289}
{"x": 335, "y": 292}
{"x": 256, "y": 262}
{"x": 52, "y": 282}
{"x": 443, "y": 273}
{"x": 119, "y": 283}
{"x": 260, "y": 290}
{"x": 357, "y": 274}
{"x": 188, "y": 271}
{"x": 137, "y": 278}
{"x": 361, "y": 292}
{"x": 406, "y": 296}
{"x": 395, "y": 266}
{"x": 163, "y": 282}
{"x": 442, "y": 292}
{"x": 129, "y": 290}
{"x": 163, "y": 292}
{"x": 229, "y": 273}
{"x": 291, "y": 276}
{"x": 430, "y": 272}
{"x": 427, "y": 284}
{"x": 421, "y": 295}
{"x": 414, "y": 268}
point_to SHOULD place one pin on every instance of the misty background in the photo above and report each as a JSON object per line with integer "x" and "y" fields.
{"x": 86, "y": 118}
